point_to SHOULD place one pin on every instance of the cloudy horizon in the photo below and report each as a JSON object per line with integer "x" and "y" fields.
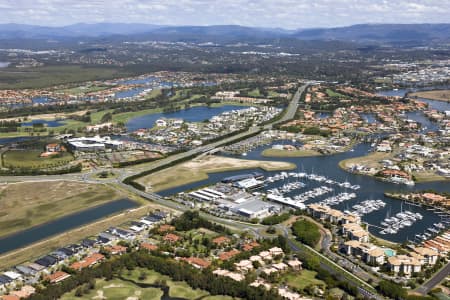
{"x": 288, "y": 14}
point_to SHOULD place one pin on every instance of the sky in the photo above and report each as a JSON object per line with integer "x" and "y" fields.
{"x": 289, "y": 14}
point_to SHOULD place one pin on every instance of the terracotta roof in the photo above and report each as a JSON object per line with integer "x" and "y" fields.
{"x": 87, "y": 262}
{"x": 198, "y": 262}
{"x": 250, "y": 246}
{"x": 10, "y": 297}
{"x": 166, "y": 228}
{"x": 149, "y": 247}
{"x": 170, "y": 237}
{"x": 116, "y": 249}
{"x": 57, "y": 276}
{"x": 221, "y": 240}
{"x": 229, "y": 254}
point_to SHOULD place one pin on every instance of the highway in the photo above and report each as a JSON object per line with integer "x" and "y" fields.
{"x": 435, "y": 280}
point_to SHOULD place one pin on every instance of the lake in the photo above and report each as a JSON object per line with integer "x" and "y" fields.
{"x": 60, "y": 225}
{"x": 194, "y": 114}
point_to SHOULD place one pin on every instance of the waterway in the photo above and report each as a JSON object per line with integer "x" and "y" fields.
{"x": 433, "y": 104}
{"x": 194, "y": 114}
{"x": 60, "y": 225}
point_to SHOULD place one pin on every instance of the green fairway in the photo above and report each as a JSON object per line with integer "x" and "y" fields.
{"x": 117, "y": 289}
{"x": 32, "y": 159}
{"x": 332, "y": 93}
{"x": 303, "y": 279}
{"x": 176, "y": 288}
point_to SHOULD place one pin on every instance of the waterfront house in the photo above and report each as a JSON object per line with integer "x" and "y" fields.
{"x": 429, "y": 256}
{"x": 354, "y": 231}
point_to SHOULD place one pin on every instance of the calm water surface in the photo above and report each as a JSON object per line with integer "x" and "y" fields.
{"x": 60, "y": 225}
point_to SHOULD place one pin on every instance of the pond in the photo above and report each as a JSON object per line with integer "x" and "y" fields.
{"x": 48, "y": 123}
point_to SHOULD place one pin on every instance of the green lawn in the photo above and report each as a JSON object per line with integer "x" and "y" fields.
{"x": 32, "y": 159}
{"x": 303, "y": 279}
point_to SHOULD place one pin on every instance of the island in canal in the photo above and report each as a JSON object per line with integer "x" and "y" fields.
{"x": 438, "y": 95}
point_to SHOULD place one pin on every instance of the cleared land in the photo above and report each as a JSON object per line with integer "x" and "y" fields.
{"x": 289, "y": 153}
{"x": 439, "y": 95}
{"x": 198, "y": 169}
{"x": 32, "y": 159}
{"x": 23, "y": 205}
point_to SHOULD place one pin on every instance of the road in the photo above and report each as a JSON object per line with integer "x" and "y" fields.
{"x": 435, "y": 280}
{"x": 333, "y": 268}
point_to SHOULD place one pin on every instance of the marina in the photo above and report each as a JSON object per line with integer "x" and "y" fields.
{"x": 326, "y": 177}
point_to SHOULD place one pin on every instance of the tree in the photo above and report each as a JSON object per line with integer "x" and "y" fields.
{"x": 79, "y": 292}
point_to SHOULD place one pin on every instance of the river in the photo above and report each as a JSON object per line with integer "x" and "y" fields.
{"x": 60, "y": 225}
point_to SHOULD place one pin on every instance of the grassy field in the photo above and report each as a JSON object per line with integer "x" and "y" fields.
{"x": 39, "y": 77}
{"x": 287, "y": 153}
{"x": 32, "y": 159}
{"x": 198, "y": 169}
{"x": 303, "y": 279}
{"x": 439, "y": 95}
{"x": 27, "y": 204}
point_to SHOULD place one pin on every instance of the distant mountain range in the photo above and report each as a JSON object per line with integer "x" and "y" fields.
{"x": 416, "y": 34}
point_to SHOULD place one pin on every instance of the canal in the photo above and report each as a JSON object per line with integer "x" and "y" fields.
{"x": 60, "y": 225}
